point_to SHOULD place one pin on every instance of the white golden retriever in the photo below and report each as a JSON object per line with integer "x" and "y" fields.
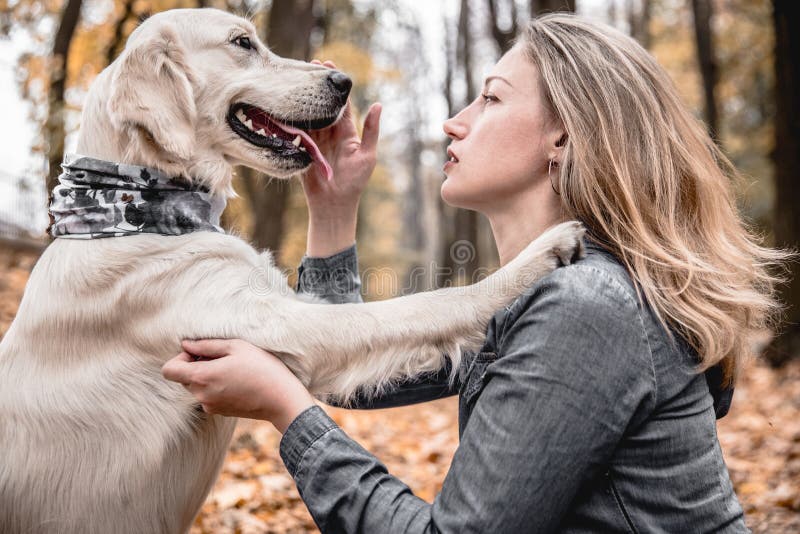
{"x": 93, "y": 439}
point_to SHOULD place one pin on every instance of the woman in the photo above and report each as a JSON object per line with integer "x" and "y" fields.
{"x": 586, "y": 409}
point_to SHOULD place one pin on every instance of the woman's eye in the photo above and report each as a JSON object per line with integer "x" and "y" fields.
{"x": 488, "y": 97}
{"x": 244, "y": 42}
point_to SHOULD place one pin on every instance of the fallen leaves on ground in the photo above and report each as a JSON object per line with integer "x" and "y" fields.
{"x": 254, "y": 494}
{"x": 760, "y": 439}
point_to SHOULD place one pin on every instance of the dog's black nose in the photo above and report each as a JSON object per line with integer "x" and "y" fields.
{"x": 340, "y": 84}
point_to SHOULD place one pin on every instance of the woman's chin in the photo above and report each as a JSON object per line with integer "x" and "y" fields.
{"x": 448, "y": 195}
{"x": 455, "y": 194}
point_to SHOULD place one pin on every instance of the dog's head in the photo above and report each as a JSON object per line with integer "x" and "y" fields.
{"x": 195, "y": 91}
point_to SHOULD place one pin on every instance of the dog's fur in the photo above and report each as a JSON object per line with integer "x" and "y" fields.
{"x": 93, "y": 439}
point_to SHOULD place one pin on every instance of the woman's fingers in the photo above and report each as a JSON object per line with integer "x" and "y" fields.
{"x": 346, "y": 126}
{"x": 179, "y": 369}
{"x": 372, "y": 122}
{"x": 328, "y": 63}
{"x": 207, "y": 348}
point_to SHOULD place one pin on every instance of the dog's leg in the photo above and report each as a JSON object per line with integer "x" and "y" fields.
{"x": 337, "y": 349}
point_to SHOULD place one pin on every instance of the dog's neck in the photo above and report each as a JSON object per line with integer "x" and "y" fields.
{"x": 97, "y": 199}
{"x": 99, "y": 138}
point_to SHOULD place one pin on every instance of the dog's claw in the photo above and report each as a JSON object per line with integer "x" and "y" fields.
{"x": 565, "y": 242}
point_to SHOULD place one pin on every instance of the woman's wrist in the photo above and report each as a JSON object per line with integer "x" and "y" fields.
{"x": 289, "y": 413}
{"x": 331, "y": 233}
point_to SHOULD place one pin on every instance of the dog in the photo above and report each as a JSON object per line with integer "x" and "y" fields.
{"x": 94, "y": 440}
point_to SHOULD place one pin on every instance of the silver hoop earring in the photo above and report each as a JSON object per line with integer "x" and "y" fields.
{"x": 549, "y": 177}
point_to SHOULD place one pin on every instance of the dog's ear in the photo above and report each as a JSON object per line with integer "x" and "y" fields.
{"x": 151, "y": 92}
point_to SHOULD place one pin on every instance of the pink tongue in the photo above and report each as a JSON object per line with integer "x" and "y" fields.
{"x": 323, "y": 164}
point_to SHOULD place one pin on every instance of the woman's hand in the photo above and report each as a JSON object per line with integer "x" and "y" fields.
{"x": 333, "y": 205}
{"x": 240, "y": 380}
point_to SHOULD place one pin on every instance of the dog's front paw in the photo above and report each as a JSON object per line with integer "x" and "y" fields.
{"x": 562, "y": 243}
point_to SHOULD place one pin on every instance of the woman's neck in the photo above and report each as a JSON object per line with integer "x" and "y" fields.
{"x": 521, "y": 221}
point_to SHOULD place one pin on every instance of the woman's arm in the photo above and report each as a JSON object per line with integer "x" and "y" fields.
{"x": 330, "y": 267}
{"x": 333, "y": 205}
{"x": 329, "y": 270}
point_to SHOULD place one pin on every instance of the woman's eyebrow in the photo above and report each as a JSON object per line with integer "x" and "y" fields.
{"x": 490, "y": 78}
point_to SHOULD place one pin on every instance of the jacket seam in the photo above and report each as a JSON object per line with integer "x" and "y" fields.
{"x": 620, "y": 505}
{"x": 307, "y": 447}
{"x": 621, "y": 290}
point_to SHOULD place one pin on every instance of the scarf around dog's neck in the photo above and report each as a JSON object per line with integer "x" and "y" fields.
{"x": 97, "y": 198}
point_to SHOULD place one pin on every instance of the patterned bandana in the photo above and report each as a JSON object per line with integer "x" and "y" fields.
{"x": 98, "y": 198}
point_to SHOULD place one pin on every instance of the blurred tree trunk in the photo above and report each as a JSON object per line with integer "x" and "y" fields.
{"x": 639, "y": 20}
{"x": 612, "y": 12}
{"x": 540, "y": 7}
{"x": 119, "y": 37}
{"x": 503, "y": 38}
{"x": 702, "y": 12}
{"x": 645, "y": 35}
{"x": 464, "y": 48}
{"x": 289, "y": 35}
{"x": 445, "y": 212}
{"x": 460, "y": 249}
{"x": 786, "y": 15}
{"x": 54, "y": 131}
{"x": 413, "y": 215}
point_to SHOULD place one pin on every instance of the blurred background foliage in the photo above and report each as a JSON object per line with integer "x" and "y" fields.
{"x": 424, "y": 61}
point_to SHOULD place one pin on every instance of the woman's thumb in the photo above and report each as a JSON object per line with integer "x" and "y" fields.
{"x": 207, "y": 348}
{"x": 369, "y": 137}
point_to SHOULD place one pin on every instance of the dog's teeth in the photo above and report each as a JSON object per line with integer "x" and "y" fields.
{"x": 302, "y": 149}
{"x": 274, "y": 135}
{"x": 262, "y": 133}
{"x": 249, "y": 124}
{"x": 296, "y": 141}
{"x": 241, "y": 116}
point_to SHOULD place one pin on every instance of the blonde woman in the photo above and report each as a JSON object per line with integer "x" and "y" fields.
{"x": 591, "y": 407}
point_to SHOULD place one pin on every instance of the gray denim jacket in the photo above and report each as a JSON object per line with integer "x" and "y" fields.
{"x": 579, "y": 414}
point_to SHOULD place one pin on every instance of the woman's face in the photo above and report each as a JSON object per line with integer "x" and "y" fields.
{"x": 503, "y": 141}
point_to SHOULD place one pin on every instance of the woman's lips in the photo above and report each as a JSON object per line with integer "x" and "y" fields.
{"x": 452, "y": 159}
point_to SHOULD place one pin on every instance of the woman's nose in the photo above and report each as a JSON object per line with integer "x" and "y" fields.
{"x": 455, "y": 128}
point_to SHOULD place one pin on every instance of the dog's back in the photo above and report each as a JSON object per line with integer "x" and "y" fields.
{"x": 93, "y": 438}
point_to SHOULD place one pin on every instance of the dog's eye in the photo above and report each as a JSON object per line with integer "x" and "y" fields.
{"x": 244, "y": 42}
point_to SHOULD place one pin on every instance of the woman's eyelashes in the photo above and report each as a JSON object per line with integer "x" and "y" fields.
{"x": 489, "y": 97}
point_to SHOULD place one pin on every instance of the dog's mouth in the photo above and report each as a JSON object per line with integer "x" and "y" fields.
{"x": 255, "y": 126}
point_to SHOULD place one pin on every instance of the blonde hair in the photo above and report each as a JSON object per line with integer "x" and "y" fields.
{"x": 653, "y": 188}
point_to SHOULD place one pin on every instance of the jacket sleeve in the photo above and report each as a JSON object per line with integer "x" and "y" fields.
{"x": 335, "y": 279}
{"x": 573, "y": 371}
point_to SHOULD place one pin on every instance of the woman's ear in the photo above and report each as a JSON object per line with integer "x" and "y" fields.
{"x": 556, "y": 148}
{"x": 151, "y": 93}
